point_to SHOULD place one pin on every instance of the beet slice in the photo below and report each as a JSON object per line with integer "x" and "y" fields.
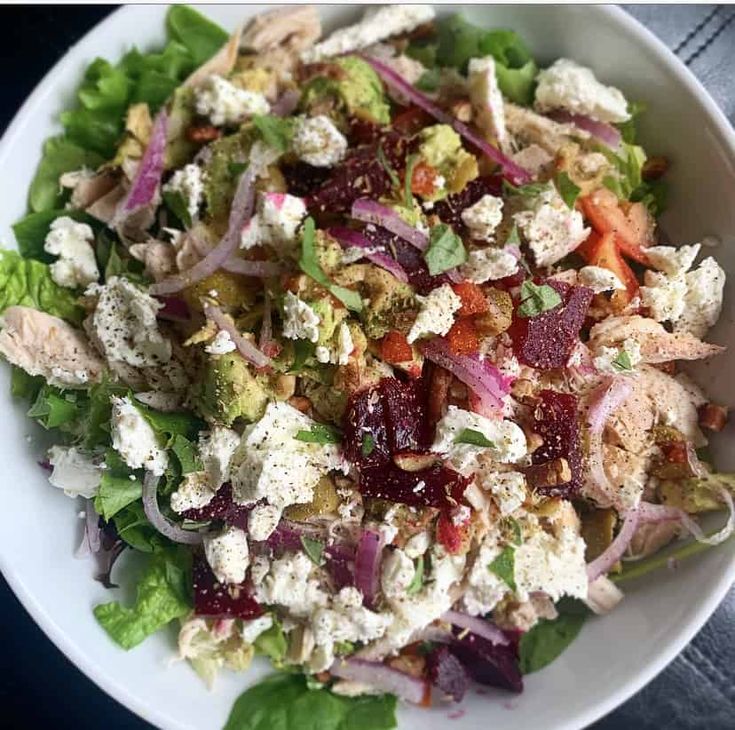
{"x": 446, "y": 673}
{"x": 450, "y": 210}
{"x": 365, "y": 429}
{"x": 556, "y": 420}
{"x": 215, "y": 600}
{"x": 488, "y": 663}
{"x": 221, "y": 508}
{"x": 546, "y": 340}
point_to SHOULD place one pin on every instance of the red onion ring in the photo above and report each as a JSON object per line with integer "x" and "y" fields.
{"x": 247, "y": 349}
{"x": 606, "y": 133}
{"x": 162, "y": 524}
{"x": 347, "y": 237}
{"x": 259, "y": 269}
{"x": 370, "y": 211}
{"x": 286, "y": 103}
{"x": 478, "y": 626}
{"x": 381, "y": 677}
{"x": 367, "y": 564}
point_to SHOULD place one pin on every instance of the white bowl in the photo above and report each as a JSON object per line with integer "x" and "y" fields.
{"x": 614, "y": 656}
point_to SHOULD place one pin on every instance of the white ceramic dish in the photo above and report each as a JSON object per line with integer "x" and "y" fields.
{"x": 615, "y": 656}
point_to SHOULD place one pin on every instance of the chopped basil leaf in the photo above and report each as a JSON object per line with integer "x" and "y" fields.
{"x": 302, "y": 351}
{"x": 622, "y": 361}
{"x": 504, "y": 567}
{"x": 474, "y": 438}
{"x": 383, "y": 160}
{"x": 236, "y": 168}
{"x": 418, "y": 577}
{"x": 531, "y": 190}
{"x": 368, "y": 445}
{"x": 313, "y": 548}
{"x": 514, "y": 238}
{"x": 429, "y": 80}
{"x": 320, "y": 434}
{"x": 567, "y": 189}
{"x": 276, "y": 132}
{"x": 537, "y": 299}
{"x": 309, "y": 264}
{"x": 446, "y": 250}
{"x": 176, "y": 203}
{"x": 407, "y": 192}
{"x": 343, "y": 648}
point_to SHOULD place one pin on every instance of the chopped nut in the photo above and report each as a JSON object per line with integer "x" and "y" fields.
{"x": 549, "y": 474}
{"x": 533, "y": 441}
{"x": 712, "y": 417}
{"x": 202, "y": 133}
{"x": 523, "y": 390}
{"x": 440, "y": 380}
{"x": 654, "y": 168}
{"x": 499, "y": 315}
{"x": 462, "y": 110}
{"x": 300, "y": 403}
{"x": 415, "y": 462}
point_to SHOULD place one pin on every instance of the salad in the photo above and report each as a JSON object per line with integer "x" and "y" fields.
{"x": 370, "y": 346}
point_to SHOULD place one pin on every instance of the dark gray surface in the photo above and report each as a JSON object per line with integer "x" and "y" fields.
{"x": 39, "y": 686}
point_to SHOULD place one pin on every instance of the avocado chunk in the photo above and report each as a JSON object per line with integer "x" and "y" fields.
{"x": 441, "y": 147}
{"x": 351, "y": 89}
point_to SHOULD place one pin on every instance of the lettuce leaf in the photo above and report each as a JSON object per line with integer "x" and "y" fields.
{"x": 162, "y": 596}
{"x": 59, "y": 155}
{"x": 628, "y": 184}
{"x": 199, "y": 35}
{"x": 56, "y": 408}
{"x": 28, "y": 283}
{"x": 119, "y": 487}
{"x": 31, "y": 231}
{"x": 285, "y": 702}
{"x": 134, "y": 528}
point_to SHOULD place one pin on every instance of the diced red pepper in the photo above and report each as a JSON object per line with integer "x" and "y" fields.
{"x": 473, "y": 298}
{"x": 452, "y": 537}
{"x": 601, "y": 250}
{"x": 424, "y": 179}
{"x": 463, "y": 338}
{"x": 394, "y": 348}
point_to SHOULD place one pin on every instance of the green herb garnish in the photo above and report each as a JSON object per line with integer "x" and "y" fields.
{"x": 320, "y": 434}
{"x": 568, "y": 190}
{"x": 536, "y": 299}
{"x": 504, "y": 567}
{"x": 313, "y": 548}
{"x": 446, "y": 250}
{"x": 474, "y": 438}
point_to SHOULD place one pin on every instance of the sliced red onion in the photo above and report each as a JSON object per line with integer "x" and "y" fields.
{"x": 286, "y": 103}
{"x": 161, "y": 523}
{"x": 367, "y": 564}
{"x": 348, "y": 237}
{"x": 615, "y": 551}
{"x": 92, "y": 535}
{"x": 246, "y": 348}
{"x": 382, "y": 677}
{"x": 150, "y": 168}
{"x": 370, "y": 211}
{"x": 478, "y": 626}
{"x": 486, "y": 382}
{"x": 259, "y": 269}
{"x": 606, "y": 133}
{"x": 265, "y": 341}
{"x": 242, "y": 210}
{"x": 512, "y": 171}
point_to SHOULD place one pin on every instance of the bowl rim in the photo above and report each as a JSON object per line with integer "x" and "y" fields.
{"x": 117, "y": 691}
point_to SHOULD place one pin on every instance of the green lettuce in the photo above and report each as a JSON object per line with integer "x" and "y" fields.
{"x": 285, "y": 702}
{"x": 162, "y": 596}
{"x": 135, "y": 529}
{"x": 28, "y": 283}
{"x": 629, "y": 184}
{"x": 119, "y": 487}
{"x": 56, "y": 408}
{"x": 199, "y": 35}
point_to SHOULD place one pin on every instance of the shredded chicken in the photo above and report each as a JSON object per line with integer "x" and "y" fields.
{"x": 295, "y": 28}
{"x": 528, "y": 128}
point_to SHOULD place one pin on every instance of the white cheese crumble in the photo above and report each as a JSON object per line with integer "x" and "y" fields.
{"x": 189, "y": 183}
{"x": 551, "y": 228}
{"x": 226, "y": 104}
{"x": 300, "y": 321}
{"x": 673, "y": 260}
{"x": 570, "y": 86}
{"x": 221, "y": 344}
{"x": 483, "y": 217}
{"x": 124, "y": 324}
{"x": 397, "y": 572}
{"x": 276, "y": 223}
{"x": 436, "y": 315}
{"x": 377, "y": 24}
{"x": 488, "y": 264}
{"x": 216, "y": 449}
{"x": 484, "y": 588}
{"x": 134, "y": 438}
{"x": 228, "y": 555}
{"x": 72, "y": 243}
{"x": 77, "y": 473}
{"x": 341, "y": 354}
{"x": 663, "y": 295}
{"x": 507, "y": 438}
{"x": 605, "y": 357}
{"x": 508, "y": 489}
{"x": 263, "y": 519}
{"x": 252, "y": 629}
{"x": 318, "y": 142}
{"x": 487, "y": 101}
{"x": 194, "y": 492}
{"x": 599, "y": 279}
{"x": 703, "y": 300}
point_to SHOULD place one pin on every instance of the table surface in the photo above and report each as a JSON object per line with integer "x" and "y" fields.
{"x": 697, "y": 690}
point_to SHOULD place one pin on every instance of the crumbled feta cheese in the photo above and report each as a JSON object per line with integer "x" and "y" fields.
{"x": 507, "y": 438}
{"x": 703, "y": 300}
{"x": 189, "y": 183}
{"x": 483, "y": 217}
{"x": 226, "y": 104}
{"x": 318, "y": 142}
{"x": 228, "y": 555}
{"x": 125, "y": 327}
{"x": 461, "y": 515}
{"x": 484, "y": 588}
{"x": 417, "y": 545}
{"x": 567, "y": 85}
{"x": 377, "y": 24}
{"x": 599, "y": 279}
{"x": 216, "y": 448}
{"x": 397, "y": 572}
{"x": 276, "y": 223}
{"x": 72, "y": 243}
{"x": 221, "y": 344}
{"x": 663, "y": 295}
{"x": 252, "y": 629}
{"x": 605, "y": 357}
{"x": 436, "y": 315}
{"x": 300, "y": 321}
{"x": 507, "y": 488}
{"x": 340, "y": 355}
{"x": 554, "y": 565}
{"x": 287, "y": 582}
{"x": 272, "y": 464}
{"x": 263, "y": 519}
{"x": 194, "y": 492}
{"x": 489, "y": 264}
{"x": 487, "y": 101}
{"x": 134, "y": 438}
{"x": 673, "y": 260}
{"x": 77, "y": 473}
{"x": 551, "y": 228}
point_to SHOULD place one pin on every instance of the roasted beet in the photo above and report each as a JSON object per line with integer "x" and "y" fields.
{"x": 446, "y": 673}
{"x": 488, "y": 663}
{"x": 302, "y": 180}
{"x": 366, "y": 429}
{"x": 546, "y": 340}
{"x": 437, "y": 486}
{"x": 556, "y": 420}
{"x": 450, "y": 209}
{"x": 221, "y": 508}
{"x": 215, "y": 600}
